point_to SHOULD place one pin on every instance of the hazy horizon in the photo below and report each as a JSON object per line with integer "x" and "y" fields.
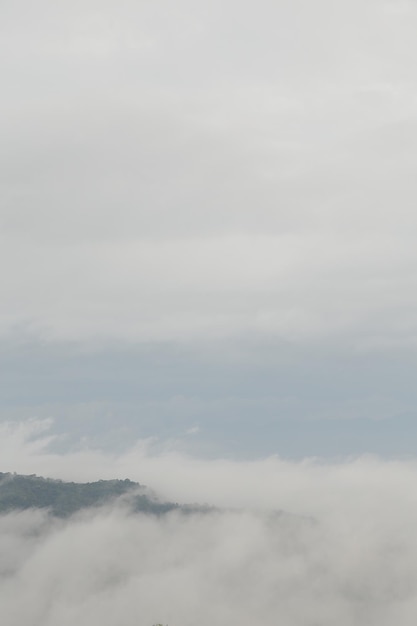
{"x": 208, "y": 224}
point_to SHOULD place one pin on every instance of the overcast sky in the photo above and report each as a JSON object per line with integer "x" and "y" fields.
{"x": 208, "y": 223}
{"x": 208, "y": 284}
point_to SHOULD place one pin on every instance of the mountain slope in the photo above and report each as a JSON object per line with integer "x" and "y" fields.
{"x": 62, "y": 499}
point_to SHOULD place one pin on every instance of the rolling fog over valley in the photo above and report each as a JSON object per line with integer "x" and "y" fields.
{"x": 303, "y": 542}
{"x": 208, "y": 313}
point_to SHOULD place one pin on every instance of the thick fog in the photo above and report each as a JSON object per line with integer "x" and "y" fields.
{"x": 297, "y": 544}
{"x": 220, "y": 568}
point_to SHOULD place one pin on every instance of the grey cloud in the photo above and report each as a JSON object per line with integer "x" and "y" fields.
{"x": 227, "y": 190}
{"x": 301, "y": 487}
{"x": 344, "y": 551}
{"x": 169, "y": 174}
{"x": 213, "y": 570}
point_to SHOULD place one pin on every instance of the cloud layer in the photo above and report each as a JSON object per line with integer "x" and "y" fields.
{"x": 344, "y": 550}
{"x": 197, "y": 173}
{"x": 229, "y": 567}
{"x": 172, "y": 175}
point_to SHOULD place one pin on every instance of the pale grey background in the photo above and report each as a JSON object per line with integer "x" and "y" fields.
{"x": 208, "y": 223}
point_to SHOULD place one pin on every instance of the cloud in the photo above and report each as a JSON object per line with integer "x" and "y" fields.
{"x": 188, "y": 174}
{"x": 344, "y": 551}
{"x": 301, "y": 487}
{"x": 173, "y": 175}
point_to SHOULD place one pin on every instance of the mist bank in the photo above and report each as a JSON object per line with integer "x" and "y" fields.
{"x": 107, "y": 567}
{"x": 312, "y": 486}
{"x": 344, "y": 552}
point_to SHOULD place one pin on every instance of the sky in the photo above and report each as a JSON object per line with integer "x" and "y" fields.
{"x": 208, "y": 285}
{"x": 207, "y": 226}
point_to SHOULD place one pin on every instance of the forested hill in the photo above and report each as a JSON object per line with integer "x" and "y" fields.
{"x": 61, "y": 498}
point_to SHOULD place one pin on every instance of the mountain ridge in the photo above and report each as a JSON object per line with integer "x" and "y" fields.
{"x": 64, "y": 498}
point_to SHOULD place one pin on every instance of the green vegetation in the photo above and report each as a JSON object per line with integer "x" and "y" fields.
{"x": 62, "y": 499}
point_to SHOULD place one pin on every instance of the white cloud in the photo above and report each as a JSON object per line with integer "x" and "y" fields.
{"x": 345, "y": 552}
{"x": 305, "y": 487}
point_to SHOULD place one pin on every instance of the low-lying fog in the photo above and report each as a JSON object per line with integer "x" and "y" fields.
{"x": 344, "y": 552}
